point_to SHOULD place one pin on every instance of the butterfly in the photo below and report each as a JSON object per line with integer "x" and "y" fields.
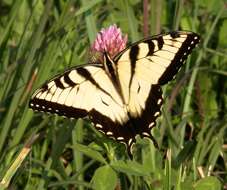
{"x": 122, "y": 95}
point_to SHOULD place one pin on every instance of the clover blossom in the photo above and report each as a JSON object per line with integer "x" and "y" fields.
{"x": 109, "y": 40}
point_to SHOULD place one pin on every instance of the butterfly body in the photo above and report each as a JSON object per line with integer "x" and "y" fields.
{"x": 122, "y": 96}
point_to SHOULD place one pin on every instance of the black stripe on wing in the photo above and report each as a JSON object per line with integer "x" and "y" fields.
{"x": 160, "y": 42}
{"x": 69, "y": 81}
{"x": 87, "y": 75}
{"x": 151, "y": 47}
{"x": 56, "y": 108}
{"x": 58, "y": 83}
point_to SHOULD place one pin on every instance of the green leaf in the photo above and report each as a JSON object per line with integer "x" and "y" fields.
{"x": 187, "y": 184}
{"x": 208, "y": 183}
{"x": 212, "y": 6}
{"x": 185, "y": 153}
{"x": 87, "y": 6}
{"x": 105, "y": 178}
{"x": 130, "y": 167}
{"x": 90, "y": 152}
{"x": 90, "y": 20}
{"x": 223, "y": 34}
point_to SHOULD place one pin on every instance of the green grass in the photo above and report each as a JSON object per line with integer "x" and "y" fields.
{"x": 39, "y": 39}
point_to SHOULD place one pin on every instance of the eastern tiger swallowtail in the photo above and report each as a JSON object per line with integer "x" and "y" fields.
{"x": 121, "y": 96}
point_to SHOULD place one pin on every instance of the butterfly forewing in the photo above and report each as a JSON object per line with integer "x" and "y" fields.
{"x": 157, "y": 59}
{"x": 80, "y": 92}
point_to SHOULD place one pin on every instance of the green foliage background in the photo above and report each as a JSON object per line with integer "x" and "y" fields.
{"x": 39, "y": 39}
